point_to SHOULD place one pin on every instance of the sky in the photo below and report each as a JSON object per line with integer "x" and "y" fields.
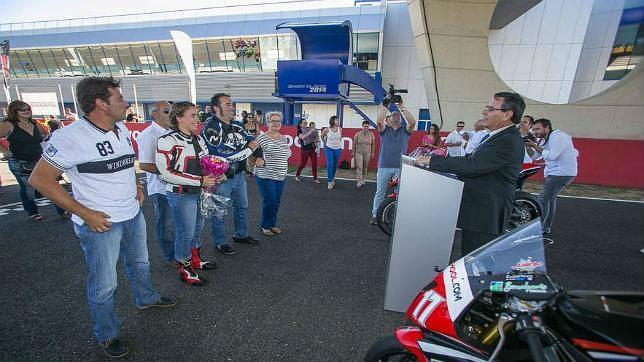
{"x": 36, "y": 10}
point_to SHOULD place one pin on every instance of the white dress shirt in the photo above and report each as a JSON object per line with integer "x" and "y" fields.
{"x": 147, "y": 141}
{"x": 474, "y": 141}
{"x": 559, "y": 153}
{"x": 455, "y": 151}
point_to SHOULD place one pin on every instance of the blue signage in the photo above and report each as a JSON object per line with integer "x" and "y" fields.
{"x": 317, "y": 78}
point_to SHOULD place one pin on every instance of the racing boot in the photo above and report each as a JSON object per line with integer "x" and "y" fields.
{"x": 198, "y": 263}
{"x": 189, "y": 275}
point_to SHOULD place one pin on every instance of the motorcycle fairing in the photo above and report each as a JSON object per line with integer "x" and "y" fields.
{"x": 430, "y": 306}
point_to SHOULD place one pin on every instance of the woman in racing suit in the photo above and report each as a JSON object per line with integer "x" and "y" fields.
{"x": 177, "y": 158}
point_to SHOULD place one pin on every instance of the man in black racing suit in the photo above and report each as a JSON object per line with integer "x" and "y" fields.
{"x": 227, "y": 138}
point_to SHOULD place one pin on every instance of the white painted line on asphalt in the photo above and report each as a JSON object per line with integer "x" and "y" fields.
{"x": 601, "y": 199}
{"x": 564, "y": 196}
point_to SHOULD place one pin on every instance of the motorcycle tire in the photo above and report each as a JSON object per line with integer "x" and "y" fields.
{"x": 526, "y": 208}
{"x": 388, "y": 349}
{"x": 386, "y": 215}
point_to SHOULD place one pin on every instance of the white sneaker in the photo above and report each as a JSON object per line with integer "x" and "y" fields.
{"x": 330, "y": 186}
{"x": 298, "y": 178}
{"x": 358, "y": 184}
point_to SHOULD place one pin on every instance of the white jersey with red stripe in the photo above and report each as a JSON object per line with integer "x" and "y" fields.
{"x": 177, "y": 159}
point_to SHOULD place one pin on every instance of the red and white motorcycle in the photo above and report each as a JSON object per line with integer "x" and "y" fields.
{"x": 499, "y": 304}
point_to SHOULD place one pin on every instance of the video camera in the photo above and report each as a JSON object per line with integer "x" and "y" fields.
{"x": 392, "y": 97}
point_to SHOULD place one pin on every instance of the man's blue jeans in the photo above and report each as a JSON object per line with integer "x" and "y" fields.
{"x": 332, "y": 159}
{"x": 188, "y": 222}
{"x": 383, "y": 176}
{"x": 552, "y": 186}
{"x": 126, "y": 239}
{"x": 164, "y": 226}
{"x": 28, "y": 194}
{"x": 235, "y": 189}
{"x": 271, "y": 191}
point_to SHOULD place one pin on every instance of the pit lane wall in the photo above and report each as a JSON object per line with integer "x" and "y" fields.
{"x": 602, "y": 162}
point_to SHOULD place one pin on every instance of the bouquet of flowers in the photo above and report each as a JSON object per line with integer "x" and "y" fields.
{"x": 212, "y": 204}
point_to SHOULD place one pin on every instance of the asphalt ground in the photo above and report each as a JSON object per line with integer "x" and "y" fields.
{"x": 314, "y": 293}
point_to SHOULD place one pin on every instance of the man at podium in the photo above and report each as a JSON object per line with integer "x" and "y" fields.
{"x": 490, "y": 172}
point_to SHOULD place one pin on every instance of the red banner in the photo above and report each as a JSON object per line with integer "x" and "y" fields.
{"x": 601, "y": 162}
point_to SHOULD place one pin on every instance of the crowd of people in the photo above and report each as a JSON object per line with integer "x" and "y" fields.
{"x": 96, "y": 154}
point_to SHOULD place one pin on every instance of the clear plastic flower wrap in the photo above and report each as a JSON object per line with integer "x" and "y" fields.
{"x": 213, "y": 205}
{"x": 420, "y": 151}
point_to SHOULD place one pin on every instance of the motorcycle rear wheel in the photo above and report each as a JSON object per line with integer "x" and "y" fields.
{"x": 388, "y": 349}
{"x": 526, "y": 208}
{"x": 386, "y": 215}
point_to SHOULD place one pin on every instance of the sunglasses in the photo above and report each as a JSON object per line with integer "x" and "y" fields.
{"x": 24, "y": 109}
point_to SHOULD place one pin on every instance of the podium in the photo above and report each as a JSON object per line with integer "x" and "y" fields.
{"x": 423, "y": 234}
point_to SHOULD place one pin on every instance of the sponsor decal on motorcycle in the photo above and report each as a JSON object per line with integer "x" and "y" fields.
{"x": 525, "y": 287}
{"x": 496, "y": 286}
{"x": 519, "y": 278}
{"x": 457, "y": 288}
{"x": 527, "y": 265}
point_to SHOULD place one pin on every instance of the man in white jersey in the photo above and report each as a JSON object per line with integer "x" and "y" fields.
{"x": 147, "y": 142}
{"x": 97, "y": 155}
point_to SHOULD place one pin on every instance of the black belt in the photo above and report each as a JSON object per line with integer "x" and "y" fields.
{"x": 184, "y": 189}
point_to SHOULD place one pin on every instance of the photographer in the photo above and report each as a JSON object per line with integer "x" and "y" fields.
{"x": 556, "y": 149}
{"x": 393, "y": 144}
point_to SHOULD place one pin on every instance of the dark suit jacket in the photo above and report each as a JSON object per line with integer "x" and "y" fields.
{"x": 490, "y": 174}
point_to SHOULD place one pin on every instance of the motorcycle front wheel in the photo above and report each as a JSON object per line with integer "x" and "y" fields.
{"x": 386, "y": 215}
{"x": 388, "y": 349}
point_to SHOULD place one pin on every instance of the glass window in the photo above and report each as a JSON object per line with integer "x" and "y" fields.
{"x": 201, "y": 56}
{"x": 74, "y": 60}
{"x": 36, "y": 62}
{"x": 110, "y": 54}
{"x": 20, "y": 63}
{"x": 365, "y": 51}
{"x": 221, "y": 59}
{"x": 168, "y": 58}
{"x": 628, "y": 46}
{"x": 63, "y": 69}
{"x": 55, "y": 64}
{"x": 126, "y": 57}
{"x": 143, "y": 64}
{"x": 87, "y": 58}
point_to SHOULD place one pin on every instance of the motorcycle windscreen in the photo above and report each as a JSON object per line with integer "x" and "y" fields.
{"x": 520, "y": 251}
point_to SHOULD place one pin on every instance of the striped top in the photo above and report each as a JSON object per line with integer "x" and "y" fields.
{"x": 276, "y": 154}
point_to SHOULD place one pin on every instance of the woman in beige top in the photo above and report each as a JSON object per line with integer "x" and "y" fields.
{"x": 364, "y": 147}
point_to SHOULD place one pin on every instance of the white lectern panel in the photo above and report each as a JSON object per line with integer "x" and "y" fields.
{"x": 423, "y": 235}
